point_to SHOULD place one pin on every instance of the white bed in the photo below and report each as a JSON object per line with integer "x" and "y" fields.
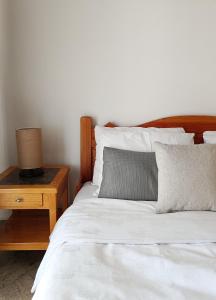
{"x": 118, "y": 249}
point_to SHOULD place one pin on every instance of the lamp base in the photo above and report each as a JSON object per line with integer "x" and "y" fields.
{"x": 28, "y": 173}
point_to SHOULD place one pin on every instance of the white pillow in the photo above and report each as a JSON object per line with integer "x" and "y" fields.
{"x": 209, "y": 137}
{"x": 148, "y": 129}
{"x": 170, "y": 138}
{"x": 134, "y": 139}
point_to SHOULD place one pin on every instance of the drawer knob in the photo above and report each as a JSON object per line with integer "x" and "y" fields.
{"x": 19, "y": 200}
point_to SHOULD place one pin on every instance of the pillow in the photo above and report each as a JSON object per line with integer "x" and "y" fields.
{"x": 147, "y": 129}
{"x": 209, "y": 137}
{"x": 186, "y": 177}
{"x": 170, "y": 138}
{"x": 134, "y": 139}
{"x": 129, "y": 175}
{"x": 130, "y": 139}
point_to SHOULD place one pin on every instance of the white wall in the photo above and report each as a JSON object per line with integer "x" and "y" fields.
{"x": 127, "y": 61}
{"x": 3, "y": 156}
{"x": 3, "y": 129}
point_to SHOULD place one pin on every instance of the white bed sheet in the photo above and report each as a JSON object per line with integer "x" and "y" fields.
{"x": 118, "y": 249}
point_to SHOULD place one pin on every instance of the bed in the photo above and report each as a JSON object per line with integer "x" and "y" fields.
{"x": 110, "y": 249}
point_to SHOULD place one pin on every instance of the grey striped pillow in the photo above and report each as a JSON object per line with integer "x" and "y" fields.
{"x": 129, "y": 175}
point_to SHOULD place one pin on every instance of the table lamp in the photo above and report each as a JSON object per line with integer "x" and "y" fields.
{"x": 29, "y": 152}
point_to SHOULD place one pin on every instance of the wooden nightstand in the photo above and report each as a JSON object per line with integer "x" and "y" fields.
{"x": 36, "y": 205}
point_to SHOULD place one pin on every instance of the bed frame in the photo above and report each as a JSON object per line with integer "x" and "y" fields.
{"x": 196, "y": 124}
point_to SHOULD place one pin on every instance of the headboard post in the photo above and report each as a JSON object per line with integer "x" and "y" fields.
{"x": 86, "y": 125}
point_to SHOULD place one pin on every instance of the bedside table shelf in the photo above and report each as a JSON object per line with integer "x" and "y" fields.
{"x": 25, "y": 230}
{"x": 35, "y": 204}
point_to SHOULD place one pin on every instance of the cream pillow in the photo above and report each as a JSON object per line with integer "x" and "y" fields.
{"x": 186, "y": 177}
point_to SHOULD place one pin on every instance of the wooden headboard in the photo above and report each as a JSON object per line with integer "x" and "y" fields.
{"x": 196, "y": 124}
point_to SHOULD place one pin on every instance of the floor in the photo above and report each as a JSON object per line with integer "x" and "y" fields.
{"x": 17, "y": 272}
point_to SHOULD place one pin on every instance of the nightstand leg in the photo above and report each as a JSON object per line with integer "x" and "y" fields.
{"x": 65, "y": 199}
{"x": 53, "y": 211}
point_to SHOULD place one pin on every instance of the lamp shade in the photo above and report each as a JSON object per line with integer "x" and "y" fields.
{"x": 29, "y": 148}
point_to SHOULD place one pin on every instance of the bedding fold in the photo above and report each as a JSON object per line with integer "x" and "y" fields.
{"x": 122, "y": 222}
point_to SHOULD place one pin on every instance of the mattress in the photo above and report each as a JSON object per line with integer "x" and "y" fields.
{"x": 120, "y": 249}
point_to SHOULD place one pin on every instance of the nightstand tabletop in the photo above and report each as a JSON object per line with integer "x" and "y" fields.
{"x": 9, "y": 180}
{"x": 13, "y": 178}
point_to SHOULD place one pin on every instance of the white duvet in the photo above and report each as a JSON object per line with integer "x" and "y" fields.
{"x": 116, "y": 249}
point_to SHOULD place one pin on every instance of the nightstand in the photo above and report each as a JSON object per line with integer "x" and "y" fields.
{"x": 36, "y": 203}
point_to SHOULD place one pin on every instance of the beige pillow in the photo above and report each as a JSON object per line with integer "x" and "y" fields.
{"x": 186, "y": 177}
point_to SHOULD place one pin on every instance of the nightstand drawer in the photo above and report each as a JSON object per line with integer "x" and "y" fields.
{"x": 21, "y": 200}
